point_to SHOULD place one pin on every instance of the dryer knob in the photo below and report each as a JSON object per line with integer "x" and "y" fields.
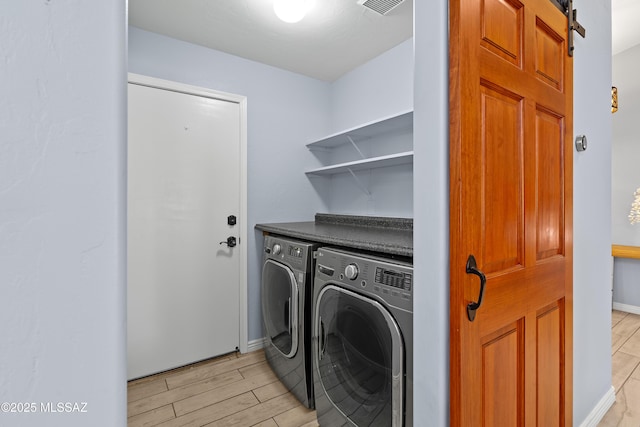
{"x": 351, "y": 271}
{"x": 276, "y": 249}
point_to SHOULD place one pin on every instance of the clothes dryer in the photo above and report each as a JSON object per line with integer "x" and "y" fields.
{"x": 287, "y": 275}
{"x": 363, "y": 340}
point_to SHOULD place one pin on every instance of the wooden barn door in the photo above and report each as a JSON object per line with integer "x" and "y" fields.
{"x": 511, "y": 110}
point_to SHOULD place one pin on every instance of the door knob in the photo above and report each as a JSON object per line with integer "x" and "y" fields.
{"x": 231, "y": 241}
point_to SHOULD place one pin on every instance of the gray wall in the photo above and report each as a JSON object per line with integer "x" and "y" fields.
{"x": 626, "y": 289}
{"x": 62, "y": 210}
{"x": 626, "y": 173}
{"x": 592, "y": 210}
{"x": 380, "y": 88}
{"x": 431, "y": 214}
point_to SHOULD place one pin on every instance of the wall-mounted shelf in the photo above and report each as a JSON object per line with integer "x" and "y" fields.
{"x": 383, "y": 130}
{"x": 369, "y": 163}
{"x": 621, "y": 251}
{"x": 397, "y": 123}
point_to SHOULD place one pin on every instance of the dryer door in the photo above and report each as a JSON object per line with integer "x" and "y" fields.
{"x": 280, "y": 307}
{"x": 359, "y": 357}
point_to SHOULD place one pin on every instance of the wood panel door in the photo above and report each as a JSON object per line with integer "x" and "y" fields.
{"x": 511, "y": 208}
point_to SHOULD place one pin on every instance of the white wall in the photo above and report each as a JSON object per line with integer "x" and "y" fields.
{"x": 62, "y": 210}
{"x": 592, "y": 209}
{"x": 626, "y": 173}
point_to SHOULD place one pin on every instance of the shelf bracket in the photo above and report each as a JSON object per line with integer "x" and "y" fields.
{"x": 359, "y": 183}
{"x": 355, "y": 146}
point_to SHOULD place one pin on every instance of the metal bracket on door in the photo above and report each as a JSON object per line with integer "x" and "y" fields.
{"x": 566, "y": 7}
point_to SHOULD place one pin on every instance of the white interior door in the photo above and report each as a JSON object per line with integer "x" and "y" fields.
{"x": 183, "y": 182}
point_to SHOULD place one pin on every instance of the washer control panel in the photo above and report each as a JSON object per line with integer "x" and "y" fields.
{"x": 295, "y": 251}
{"x": 297, "y": 254}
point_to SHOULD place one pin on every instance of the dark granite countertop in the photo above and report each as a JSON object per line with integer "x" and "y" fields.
{"x": 385, "y": 235}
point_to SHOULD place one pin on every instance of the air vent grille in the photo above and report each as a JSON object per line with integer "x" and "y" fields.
{"x": 380, "y": 6}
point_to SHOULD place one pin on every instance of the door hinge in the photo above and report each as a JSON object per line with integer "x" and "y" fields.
{"x": 566, "y": 7}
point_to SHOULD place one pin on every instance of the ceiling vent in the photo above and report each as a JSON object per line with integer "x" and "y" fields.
{"x": 381, "y": 6}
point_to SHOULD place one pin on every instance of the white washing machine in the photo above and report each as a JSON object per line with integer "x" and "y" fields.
{"x": 287, "y": 275}
{"x": 362, "y": 340}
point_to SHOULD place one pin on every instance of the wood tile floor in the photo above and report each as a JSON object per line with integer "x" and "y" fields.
{"x": 625, "y": 350}
{"x": 232, "y": 390}
{"x": 241, "y": 390}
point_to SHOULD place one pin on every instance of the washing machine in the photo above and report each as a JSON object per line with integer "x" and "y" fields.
{"x": 287, "y": 275}
{"x": 362, "y": 340}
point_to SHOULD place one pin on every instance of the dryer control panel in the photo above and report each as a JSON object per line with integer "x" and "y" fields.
{"x": 395, "y": 278}
{"x": 386, "y": 279}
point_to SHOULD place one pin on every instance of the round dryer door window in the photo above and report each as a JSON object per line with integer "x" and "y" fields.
{"x": 359, "y": 357}
{"x": 280, "y": 307}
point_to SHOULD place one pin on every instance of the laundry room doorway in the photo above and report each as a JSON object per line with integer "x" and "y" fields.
{"x": 186, "y": 225}
{"x": 511, "y": 214}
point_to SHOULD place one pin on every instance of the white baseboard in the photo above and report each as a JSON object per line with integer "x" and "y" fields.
{"x": 626, "y": 308}
{"x": 255, "y": 345}
{"x": 596, "y": 415}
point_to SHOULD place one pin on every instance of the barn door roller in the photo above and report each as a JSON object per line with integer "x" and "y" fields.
{"x": 566, "y": 7}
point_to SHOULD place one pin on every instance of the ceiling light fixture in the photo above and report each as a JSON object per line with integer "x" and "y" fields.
{"x": 292, "y": 10}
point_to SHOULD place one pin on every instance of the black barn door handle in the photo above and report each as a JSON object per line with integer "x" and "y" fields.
{"x": 472, "y": 268}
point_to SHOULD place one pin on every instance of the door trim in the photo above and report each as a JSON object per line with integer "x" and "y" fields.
{"x": 153, "y": 82}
